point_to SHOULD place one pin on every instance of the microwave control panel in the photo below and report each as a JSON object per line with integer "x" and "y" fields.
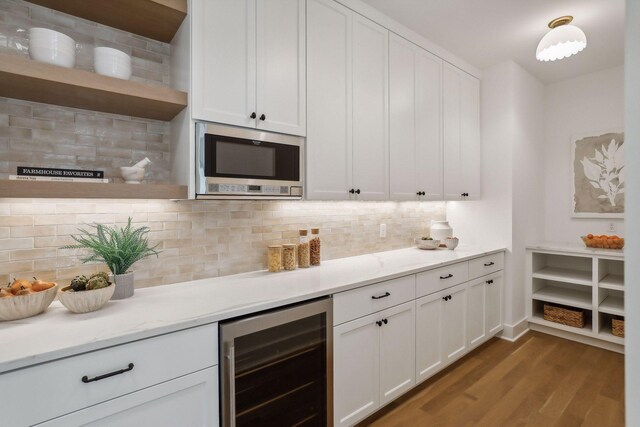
{"x": 249, "y": 189}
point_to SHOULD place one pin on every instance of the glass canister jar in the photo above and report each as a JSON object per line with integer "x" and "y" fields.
{"x": 289, "y": 257}
{"x": 303, "y": 250}
{"x": 314, "y": 246}
{"x": 274, "y": 258}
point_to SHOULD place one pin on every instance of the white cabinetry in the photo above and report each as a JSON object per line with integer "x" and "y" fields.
{"x": 122, "y": 383}
{"x": 461, "y": 132}
{"x": 415, "y": 96}
{"x": 429, "y": 331}
{"x": 347, "y": 104}
{"x": 248, "y": 63}
{"x": 191, "y": 400}
{"x": 485, "y": 308}
{"x": 454, "y": 319}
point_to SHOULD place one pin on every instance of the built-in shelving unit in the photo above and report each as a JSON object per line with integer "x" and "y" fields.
{"x": 578, "y": 278}
{"x": 90, "y": 190}
{"x": 23, "y": 78}
{"x": 155, "y": 19}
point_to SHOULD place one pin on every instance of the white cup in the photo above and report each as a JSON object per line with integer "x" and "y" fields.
{"x": 52, "y": 47}
{"x": 112, "y": 62}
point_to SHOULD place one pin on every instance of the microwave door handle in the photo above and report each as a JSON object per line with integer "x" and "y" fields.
{"x": 231, "y": 370}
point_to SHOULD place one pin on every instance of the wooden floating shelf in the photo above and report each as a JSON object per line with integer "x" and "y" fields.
{"x": 90, "y": 190}
{"x": 23, "y": 78}
{"x": 155, "y": 19}
{"x": 577, "y": 277}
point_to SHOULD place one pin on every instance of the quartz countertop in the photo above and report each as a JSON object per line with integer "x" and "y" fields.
{"x": 157, "y": 310}
{"x": 576, "y": 248}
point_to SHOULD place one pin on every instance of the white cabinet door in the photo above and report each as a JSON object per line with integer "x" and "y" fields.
{"x": 397, "y": 351}
{"x": 224, "y": 61}
{"x": 454, "y": 339}
{"x": 461, "y": 129}
{"x": 493, "y": 297}
{"x": 429, "y": 126}
{"x": 470, "y": 135}
{"x": 329, "y": 101}
{"x": 189, "y": 401}
{"x": 429, "y": 332}
{"x": 356, "y": 370}
{"x": 403, "y": 117}
{"x": 281, "y": 65}
{"x": 370, "y": 109}
{"x": 476, "y": 313}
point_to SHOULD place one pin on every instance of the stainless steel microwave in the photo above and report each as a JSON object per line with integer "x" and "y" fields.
{"x": 238, "y": 163}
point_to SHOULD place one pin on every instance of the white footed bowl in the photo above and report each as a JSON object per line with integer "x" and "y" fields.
{"x": 22, "y": 306}
{"x": 86, "y": 301}
{"x": 132, "y": 175}
{"x": 427, "y": 244}
{"x": 112, "y": 62}
{"x": 451, "y": 242}
{"x": 52, "y": 47}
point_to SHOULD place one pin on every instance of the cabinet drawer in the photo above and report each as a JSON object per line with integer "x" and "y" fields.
{"x": 359, "y": 302}
{"x": 59, "y": 384}
{"x": 486, "y": 265}
{"x": 437, "y": 279}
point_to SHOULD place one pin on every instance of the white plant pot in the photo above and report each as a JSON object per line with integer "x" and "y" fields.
{"x": 124, "y": 285}
{"x": 112, "y": 62}
{"x": 52, "y": 47}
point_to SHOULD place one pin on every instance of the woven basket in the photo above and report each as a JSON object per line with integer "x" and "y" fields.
{"x": 617, "y": 327}
{"x": 564, "y": 315}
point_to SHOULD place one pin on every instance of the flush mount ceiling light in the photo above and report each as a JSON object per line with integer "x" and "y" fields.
{"x": 562, "y": 41}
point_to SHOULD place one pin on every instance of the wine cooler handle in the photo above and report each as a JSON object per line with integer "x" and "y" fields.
{"x": 231, "y": 356}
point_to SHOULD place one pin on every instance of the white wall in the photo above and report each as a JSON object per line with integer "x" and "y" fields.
{"x": 593, "y": 102}
{"x": 509, "y": 213}
{"x": 632, "y": 207}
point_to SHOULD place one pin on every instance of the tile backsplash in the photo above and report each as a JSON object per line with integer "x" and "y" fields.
{"x": 34, "y": 134}
{"x": 199, "y": 239}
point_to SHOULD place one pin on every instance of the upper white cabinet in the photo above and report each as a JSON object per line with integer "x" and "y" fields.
{"x": 415, "y": 95}
{"x": 461, "y": 128}
{"x": 248, "y": 63}
{"x": 347, "y": 104}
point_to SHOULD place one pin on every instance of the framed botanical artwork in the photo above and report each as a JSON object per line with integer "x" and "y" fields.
{"x": 598, "y": 175}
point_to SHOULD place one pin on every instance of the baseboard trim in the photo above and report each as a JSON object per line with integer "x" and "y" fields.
{"x": 514, "y": 332}
{"x": 578, "y": 338}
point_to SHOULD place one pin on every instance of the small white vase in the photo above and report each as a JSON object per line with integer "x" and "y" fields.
{"x": 440, "y": 230}
{"x": 124, "y": 285}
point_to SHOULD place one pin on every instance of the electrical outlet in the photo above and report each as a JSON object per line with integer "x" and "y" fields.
{"x": 612, "y": 227}
{"x": 383, "y": 230}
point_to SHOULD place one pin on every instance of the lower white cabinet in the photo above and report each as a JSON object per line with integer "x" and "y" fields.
{"x": 485, "y": 309}
{"x": 429, "y": 332}
{"x": 374, "y": 358}
{"x": 493, "y": 304}
{"x": 191, "y": 400}
{"x": 454, "y": 319}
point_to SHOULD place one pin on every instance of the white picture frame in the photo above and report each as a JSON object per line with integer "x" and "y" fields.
{"x": 594, "y": 193}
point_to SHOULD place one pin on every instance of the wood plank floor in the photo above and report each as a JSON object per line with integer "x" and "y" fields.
{"x": 540, "y": 380}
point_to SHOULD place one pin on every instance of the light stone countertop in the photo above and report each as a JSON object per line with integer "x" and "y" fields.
{"x": 58, "y": 333}
{"x": 576, "y": 248}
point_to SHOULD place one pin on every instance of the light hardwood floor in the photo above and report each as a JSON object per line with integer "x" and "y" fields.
{"x": 540, "y": 380}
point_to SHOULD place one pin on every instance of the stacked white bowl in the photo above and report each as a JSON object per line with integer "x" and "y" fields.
{"x": 112, "y": 62}
{"x": 52, "y": 47}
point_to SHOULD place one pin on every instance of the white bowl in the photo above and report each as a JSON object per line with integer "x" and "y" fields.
{"x": 52, "y": 47}
{"x": 22, "y": 306}
{"x": 132, "y": 175}
{"x": 86, "y": 301}
{"x": 427, "y": 244}
{"x": 451, "y": 242}
{"x": 112, "y": 62}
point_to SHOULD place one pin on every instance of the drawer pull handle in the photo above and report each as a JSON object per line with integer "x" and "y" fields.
{"x": 448, "y": 276}
{"x": 86, "y": 379}
{"x": 489, "y": 282}
{"x": 386, "y": 294}
{"x": 489, "y": 264}
{"x": 378, "y": 322}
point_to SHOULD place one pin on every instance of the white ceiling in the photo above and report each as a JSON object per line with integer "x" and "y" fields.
{"x": 487, "y": 32}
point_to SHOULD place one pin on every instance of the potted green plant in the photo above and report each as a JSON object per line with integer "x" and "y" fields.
{"x": 119, "y": 248}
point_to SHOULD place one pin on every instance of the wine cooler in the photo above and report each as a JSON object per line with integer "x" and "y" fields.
{"x": 276, "y": 367}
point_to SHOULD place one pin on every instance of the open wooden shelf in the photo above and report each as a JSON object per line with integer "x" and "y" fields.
{"x": 577, "y": 277}
{"x": 155, "y": 19}
{"x": 90, "y": 190}
{"x": 612, "y": 305}
{"x": 23, "y": 78}
{"x": 612, "y": 281}
{"x": 565, "y": 296}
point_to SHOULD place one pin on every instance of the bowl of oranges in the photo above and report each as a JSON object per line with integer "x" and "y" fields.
{"x": 603, "y": 241}
{"x": 25, "y": 298}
